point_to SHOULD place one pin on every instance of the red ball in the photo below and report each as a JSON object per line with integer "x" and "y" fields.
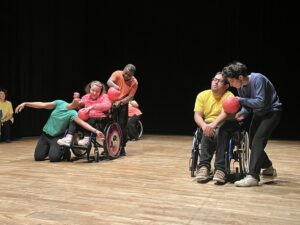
{"x": 113, "y": 94}
{"x": 231, "y": 104}
{"x": 84, "y": 115}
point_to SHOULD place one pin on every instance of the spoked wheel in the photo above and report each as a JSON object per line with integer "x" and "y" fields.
{"x": 193, "y": 163}
{"x": 244, "y": 152}
{"x": 140, "y": 128}
{"x": 78, "y": 151}
{"x": 113, "y": 139}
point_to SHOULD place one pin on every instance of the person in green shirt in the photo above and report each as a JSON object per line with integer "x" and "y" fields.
{"x": 63, "y": 113}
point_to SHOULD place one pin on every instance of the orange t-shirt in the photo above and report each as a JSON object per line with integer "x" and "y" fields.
{"x": 127, "y": 88}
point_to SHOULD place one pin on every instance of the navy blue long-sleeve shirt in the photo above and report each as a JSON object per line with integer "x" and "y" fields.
{"x": 259, "y": 95}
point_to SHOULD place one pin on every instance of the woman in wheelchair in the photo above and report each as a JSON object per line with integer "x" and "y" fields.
{"x": 96, "y": 103}
{"x": 134, "y": 116}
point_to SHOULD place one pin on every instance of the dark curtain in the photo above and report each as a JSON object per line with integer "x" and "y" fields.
{"x": 50, "y": 49}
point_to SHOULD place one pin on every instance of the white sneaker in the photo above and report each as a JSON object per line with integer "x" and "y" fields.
{"x": 84, "y": 141}
{"x": 269, "y": 172}
{"x": 247, "y": 181}
{"x": 267, "y": 175}
{"x": 66, "y": 141}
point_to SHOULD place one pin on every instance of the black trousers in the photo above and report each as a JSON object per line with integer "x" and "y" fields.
{"x": 260, "y": 130}
{"x": 6, "y": 130}
{"x": 47, "y": 146}
{"x": 120, "y": 115}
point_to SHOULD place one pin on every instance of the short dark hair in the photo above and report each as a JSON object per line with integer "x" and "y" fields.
{"x": 5, "y": 92}
{"x": 131, "y": 68}
{"x": 234, "y": 70}
{"x": 225, "y": 79}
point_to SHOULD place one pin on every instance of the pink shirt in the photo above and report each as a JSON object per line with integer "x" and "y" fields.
{"x": 100, "y": 106}
{"x": 133, "y": 111}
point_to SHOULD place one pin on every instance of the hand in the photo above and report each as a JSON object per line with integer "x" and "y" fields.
{"x": 239, "y": 116}
{"x": 100, "y": 135}
{"x": 208, "y": 130}
{"x": 20, "y": 107}
{"x": 85, "y": 110}
{"x": 117, "y": 103}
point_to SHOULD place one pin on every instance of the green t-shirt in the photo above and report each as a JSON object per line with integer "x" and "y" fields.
{"x": 59, "y": 119}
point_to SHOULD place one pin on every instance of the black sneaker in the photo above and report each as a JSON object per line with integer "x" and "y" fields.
{"x": 66, "y": 155}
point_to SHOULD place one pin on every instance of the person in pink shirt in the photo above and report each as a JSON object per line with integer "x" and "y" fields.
{"x": 134, "y": 115}
{"x": 95, "y": 104}
{"x": 124, "y": 81}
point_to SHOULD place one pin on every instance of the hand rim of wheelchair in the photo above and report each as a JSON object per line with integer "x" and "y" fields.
{"x": 241, "y": 156}
{"x": 111, "y": 144}
{"x": 245, "y": 152}
{"x": 140, "y": 129}
{"x": 113, "y": 140}
{"x": 193, "y": 163}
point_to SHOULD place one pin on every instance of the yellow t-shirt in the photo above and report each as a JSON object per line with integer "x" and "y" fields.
{"x": 6, "y": 108}
{"x": 209, "y": 105}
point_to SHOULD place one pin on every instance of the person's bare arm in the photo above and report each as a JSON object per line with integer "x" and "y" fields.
{"x": 221, "y": 117}
{"x": 111, "y": 83}
{"x": 88, "y": 127}
{"x": 36, "y": 105}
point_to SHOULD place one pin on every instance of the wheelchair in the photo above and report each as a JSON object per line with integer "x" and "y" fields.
{"x": 237, "y": 155}
{"x": 140, "y": 130}
{"x": 111, "y": 144}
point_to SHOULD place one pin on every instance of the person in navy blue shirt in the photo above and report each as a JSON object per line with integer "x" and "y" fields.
{"x": 257, "y": 96}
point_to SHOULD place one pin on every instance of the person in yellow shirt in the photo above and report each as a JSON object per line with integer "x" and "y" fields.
{"x": 216, "y": 129}
{"x": 6, "y": 114}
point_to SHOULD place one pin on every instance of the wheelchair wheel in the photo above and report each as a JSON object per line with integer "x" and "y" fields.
{"x": 229, "y": 156}
{"x": 244, "y": 152}
{"x": 140, "y": 129}
{"x": 193, "y": 163}
{"x": 79, "y": 153}
{"x": 113, "y": 140}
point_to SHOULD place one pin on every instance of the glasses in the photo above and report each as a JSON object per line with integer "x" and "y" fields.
{"x": 218, "y": 80}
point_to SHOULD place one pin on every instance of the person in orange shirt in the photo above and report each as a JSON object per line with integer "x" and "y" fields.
{"x": 124, "y": 81}
{"x": 134, "y": 115}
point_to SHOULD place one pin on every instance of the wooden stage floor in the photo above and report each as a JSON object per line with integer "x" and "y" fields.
{"x": 150, "y": 186}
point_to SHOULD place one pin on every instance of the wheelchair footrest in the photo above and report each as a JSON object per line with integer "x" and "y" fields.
{"x": 79, "y": 147}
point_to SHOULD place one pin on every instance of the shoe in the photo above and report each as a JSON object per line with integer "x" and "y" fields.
{"x": 84, "y": 141}
{"x": 219, "y": 177}
{"x": 202, "y": 175}
{"x": 248, "y": 181}
{"x": 267, "y": 175}
{"x": 269, "y": 172}
{"x": 66, "y": 155}
{"x": 66, "y": 141}
{"x": 122, "y": 152}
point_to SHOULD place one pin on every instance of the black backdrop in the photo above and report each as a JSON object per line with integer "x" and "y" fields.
{"x": 50, "y": 49}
